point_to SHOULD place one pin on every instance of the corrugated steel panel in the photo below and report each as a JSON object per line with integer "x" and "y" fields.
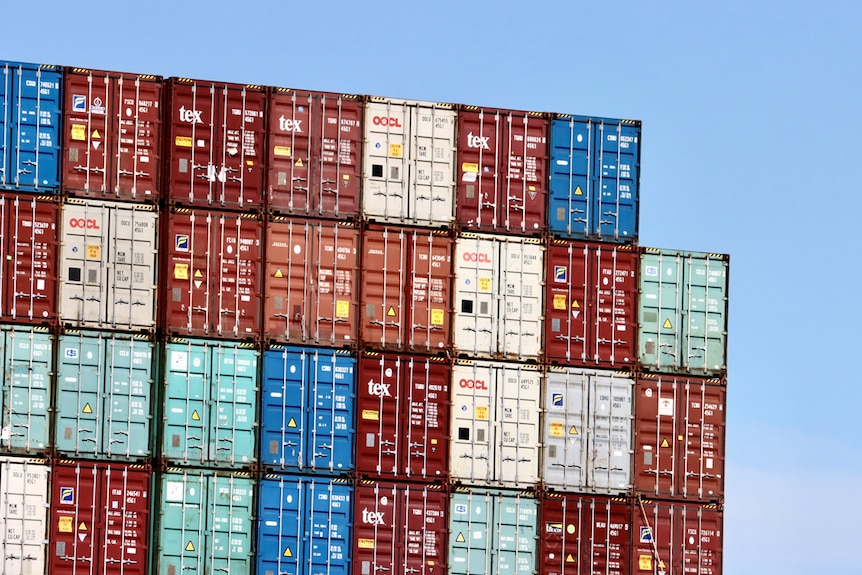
{"x": 28, "y": 258}
{"x": 304, "y": 526}
{"x": 680, "y": 437}
{"x": 683, "y": 312}
{"x": 205, "y": 522}
{"x": 502, "y": 170}
{"x": 104, "y": 391}
{"x": 492, "y": 532}
{"x": 307, "y": 414}
{"x": 312, "y": 282}
{"x": 27, "y": 356}
{"x": 675, "y": 537}
{"x": 495, "y": 424}
{"x": 409, "y": 162}
{"x": 591, "y": 303}
{"x": 400, "y": 528}
{"x": 23, "y": 515}
{"x": 594, "y": 179}
{"x": 30, "y": 121}
{"x": 499, "y": 303}
{"x": 587, "y": 443}
{"x": 313, "y": 154}
{"x": 402, "y": 421}
{"x": 109, "y": 262}
{"x": 406, "y": 289}
{"x": 112, "y": 136}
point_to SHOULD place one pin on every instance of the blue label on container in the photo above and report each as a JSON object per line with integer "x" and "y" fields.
{"x": 67, "y": 495}
{"x": 71, "y": 353}
{"x": 560, "y": 274}
{"x": 558, "y": 400}
{"x": 646, "y": 535}
{"x": 79, "y": 103}
{"x": 182, "y": 242}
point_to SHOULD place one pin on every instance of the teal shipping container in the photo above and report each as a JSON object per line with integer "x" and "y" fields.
{"x": 26, "y": 360}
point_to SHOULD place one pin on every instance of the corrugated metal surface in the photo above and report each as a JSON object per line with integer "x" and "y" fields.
{"x": 674, "y": 537}
{"x": 307, "y": 414}
{"x": 406, "y": 278}
{"x": 27, "y": 356}
{"x": 109, "y": 265}
{"x": 402, "y": 421}
{"x": 304, "y": 526}
{"x": 30, "y": 121}
{"x": 408, "y": 162}
{"x": 23, "y": 515}
{"x": 312, "y": 282}
{"x": 683, "y": 312}
{"x": 496, "y": 435}
{"x": 588, "y": 423}
{"x": 313, "y": 154}
{"x": 104, "y": 396}
{"x": 112, "y": 135}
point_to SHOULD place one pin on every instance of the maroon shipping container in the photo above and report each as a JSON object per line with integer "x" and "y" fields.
{"x": 112, "y": 135}
{"x": 311, "y": 285}
{"x": 502, "y": 170}
{"x": 402, "y": 426}
{"x": 675, "y": 538}
{"x": 406, "y": 289}
{"x": 399, "y": 528}
{"x": 100, "y": 518}
{"x": 212, "y": 264}
{"x": 680, "y": 437}
{"x": 215, "y": 144}
{"x": 313, "y": 153}
{"x": 28, "y": 248}
{"x": 591, "y": 305}
{"x": 584, "y": 535}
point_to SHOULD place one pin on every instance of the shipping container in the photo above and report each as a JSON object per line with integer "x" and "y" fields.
{"x": 400, "y": 528}
{"x": 104, "y": 396}
{"x": 406, "y": 289}
{"x": 402, "y": 422}
{"x": 683, "y": 312}
{"x": 209, "y": 403}
{"x": 30, "y": 123}
{"x": 313, "y": 153}
{"x": 212, "y": 267}
{"x": 109, "y": 261}
{"x": 496, "y": 434}
{"x": 204, "y": 522}
{"x": 502, "y": 171}
{"x": 308, "y": 403}
{"x": 27, "y": 356}
{"x": 499, "y": 304}
{"x": 112, "y": 135}
{"x": 591, "y": 304}
{"x": 492, "y": 532}
{"x": 100, "y": 518}
{"x": 304, "y": 526}
{"x": 680, "y": 437}
{"x": 594, "y": 179}
{"x": 409, "y": 162}
{"x": 584, "y": 535}
{"x": 23, "y": 515}
{"x": 587, "y": 443}
{"x": 215, "y": 144}
{"x": 28, "y": 258}
{"x": 311, "y": 282}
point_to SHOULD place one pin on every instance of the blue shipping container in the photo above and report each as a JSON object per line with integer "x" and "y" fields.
{"x": 30, "y": 124}
{"x": 595, "y": 174}
{"x": 26, "y": 365}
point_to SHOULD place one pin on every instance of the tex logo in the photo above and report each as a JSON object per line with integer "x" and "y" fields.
{"x": 67, "y": 495}
{"x": 182, "y": 242}
{"x": 561, "y": 274}
{"x": 79, "y": 103}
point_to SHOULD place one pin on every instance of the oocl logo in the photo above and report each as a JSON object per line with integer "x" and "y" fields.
{"x": 473, "y": 384}
{"x": 386, "y": 121}
{"x": 88, "y": 224}
{"x": 476, "y": 257}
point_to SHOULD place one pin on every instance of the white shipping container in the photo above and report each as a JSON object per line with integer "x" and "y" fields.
{"x": 23, "y": 515}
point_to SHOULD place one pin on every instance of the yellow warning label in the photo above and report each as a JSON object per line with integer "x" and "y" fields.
{"x": 196, "y": 416}
{"x": 573, "y": 430}
{"x": 364, "y": 543}
{"x": 645, "y": 562}
{"x": 557, "y": 428}
{"x": 664, "y": 443}
{"x": 278, "y": 273}
{"x": 249, "y": 163}
{"x": 345, "y": 177}
{"x": 484, "y": 284}
{"x": 460, "y": 538}
{"x": 183, "y": 142}
{"x": 481, "y": 412}
{"x": 291, "y": 423}
{"x": 395, "y": 150}
{"x": 531, "y": 188}
{"x": 94, "y": 252}
{"x": 431, "y": 562}
{"x": 181, "y": 271}
{"x": 79, "y": 132}
{"x": 82, "y": 527}
{"x": 87, "y": 409}
{"x": 298, "y": 163}
{"x": 64, "y": 524}
{"x": 559, "y": 301}
{"x": 579, "y": 191}
{"x": 287, "y": 552}
{"x": 371, "y": 415}
{"x": 575, "y": 304}
{"x": 198, "y": 274}
{"x": 342, "y": 308}
{"x": 95, "y": 135}
{"x": 471, "y": 168}
{"x": 391, "y": 312}
{"x": 569, "y": 558}
{"x": 437, "y": 317}
{"x": 283, "y": 151}
{"x": 667, "y": 324}
{"x": 190, "y": 546}
{"x": 679, "y": 437}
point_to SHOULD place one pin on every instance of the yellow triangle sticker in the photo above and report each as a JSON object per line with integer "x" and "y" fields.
{"x": 460, "y": 538}
{"x": 664, "y": 443}
{"x": 391, "y": 312}
{"x": 82, "y": 527}
{"x": 196, "y": 416}
{"x": 278, "y": 273}
{"x": 190, "y": 546}
{"x": 198, "y": 274}
{"x": 667, "y": 324}
{"x": 570, "y": 559}
{"x": 573, "y": 430}
{"x": 87, "y": 409}
{"x": 579, "y": 191}
{"x": 575, "y": 304}
{"x": 291, "y": 423}
{"x": 298, "y": 162}
{"x": 95, "y": 135}
{"x": 288, "y": 552}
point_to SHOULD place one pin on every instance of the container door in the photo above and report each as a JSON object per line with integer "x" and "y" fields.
{"x": 23, "y": 515}
{"x": 475, "y": 391}
{"x": 525, "y": 184}
{"x": 430, "y": 267}
{"x": 90, "y": 104}
{"x": 330, "y": 402}
{"x": 521, "y": 298}
{"x": 515, "y": 521}
{"x": 706, "y": 322}
{"x": 386, "y": 169}
{"x": 476, "y": 310}
{"x": 567, "y": 407}
{"x": 676, "y": 538}
{"x": 380, "y": 424}
{"x": 86, "y": 257}
{"x": 614, "y": 280}
{"x": 480, "y": 158}
{"x": 229, "y": 524}
{"x": 385, "y": 285}
{"x": 183, "y": 511}
{"x": 425, "y": 411}
{"x": 28, "y": 365}
{"x": 571, "y": 194}
{"x": 133, "y": 256}
{"x": 80, "y": 412}
{"x": 284, "y": 417}
{"x": 611, "y": 417}
{"x": 128, "y": 394}
{"x": 231, "y": 436}
{"x": 338, "y": 134}
{"x": 703, "y": 415}
{"x": 432, "y": 154}
{"x": 136, "y": 169}
{"x": 471, "y": 533}
{"x": 329, "y": 520}
{"x": 516, "y": 461}
{"x": 569, "y": 302}
{"x": 237, "y": 297}
{"x": 186, "y": 395}
{"x": 618, "y": 172}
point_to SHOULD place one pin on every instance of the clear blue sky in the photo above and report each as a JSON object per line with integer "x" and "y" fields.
{"x": 752, "y": 121}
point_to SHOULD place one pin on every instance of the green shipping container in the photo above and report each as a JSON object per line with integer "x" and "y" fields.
{"x": 26, "y": 361}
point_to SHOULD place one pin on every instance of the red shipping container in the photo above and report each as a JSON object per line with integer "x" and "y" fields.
{"x": 502, "y": 170}
{"x": 399, "y": 528}
{"x": 100, "y": 518}
{"x": 28, "y": 249}
{"x": 591, "y": 305}
{"x": 112, "y": 135}
{"x": 406, "y": 289}
{"x": 311, "y": 285}
{"x": 584, "y": 535}
{"x": 212, "y": 264}
{"x": 680, "y": 437}
{"x": 215, "y": 144}
{"x": 402, "y": 426}
{"x": 313, "y": 153}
